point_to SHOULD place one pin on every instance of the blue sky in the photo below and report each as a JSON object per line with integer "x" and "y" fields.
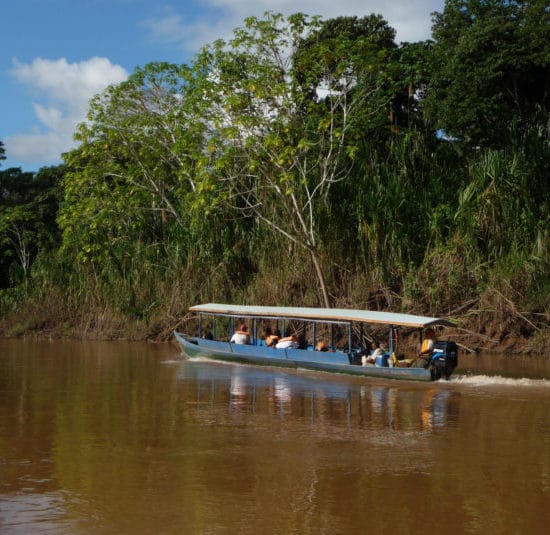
{"x": 56, "y": 54}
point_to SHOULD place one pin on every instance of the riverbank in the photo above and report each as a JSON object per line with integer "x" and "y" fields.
{"x": 476, "y": 331}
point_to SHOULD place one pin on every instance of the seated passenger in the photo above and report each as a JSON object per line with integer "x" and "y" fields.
{"x": 241, "y": 336}
{"x": 427, "y": 344}
{"x": 302, "y": 342}
{"x": 271, "y": 338}
{"x": 288, "y": 342}
{"x": 378, "y": 351}
{"x": 321, "y": 346}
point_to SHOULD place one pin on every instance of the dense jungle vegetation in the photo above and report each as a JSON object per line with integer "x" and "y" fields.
{"x": 303, "y": 162}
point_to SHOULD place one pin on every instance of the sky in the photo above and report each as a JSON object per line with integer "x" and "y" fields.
{"x": 57, "y": 54}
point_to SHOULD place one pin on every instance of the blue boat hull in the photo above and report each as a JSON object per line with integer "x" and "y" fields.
{"x": 333, "y": 362}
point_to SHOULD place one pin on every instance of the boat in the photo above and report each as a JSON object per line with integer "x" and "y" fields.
{"x": 348, "y": 358}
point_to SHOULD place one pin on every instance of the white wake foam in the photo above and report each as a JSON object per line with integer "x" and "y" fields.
{"x": 497, "y": 380}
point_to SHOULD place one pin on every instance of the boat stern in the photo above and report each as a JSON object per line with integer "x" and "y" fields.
{"x": 444, "y": 360}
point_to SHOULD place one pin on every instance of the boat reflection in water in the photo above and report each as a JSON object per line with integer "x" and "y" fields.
{"x": 298, "y": 397}
{"x": 436, "y": 407}
{"x": 237, "y": 391}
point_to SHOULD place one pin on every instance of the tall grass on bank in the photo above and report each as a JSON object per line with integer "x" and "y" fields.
{"x": 412, "y": 230}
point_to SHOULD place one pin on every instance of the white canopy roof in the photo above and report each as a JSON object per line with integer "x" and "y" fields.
{"x": 322, "y": 314}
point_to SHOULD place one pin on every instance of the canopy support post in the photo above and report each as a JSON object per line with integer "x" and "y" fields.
{"x": 314, "y": 335}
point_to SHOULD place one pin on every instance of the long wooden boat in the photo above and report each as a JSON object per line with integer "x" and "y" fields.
{"x": 440, "y": 364}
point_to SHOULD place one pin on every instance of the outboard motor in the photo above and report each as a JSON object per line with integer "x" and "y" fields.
{"x": 444, "y": 359}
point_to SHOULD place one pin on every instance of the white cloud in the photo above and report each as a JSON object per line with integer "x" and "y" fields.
{"x": 166, "y": 29}
{"x": 174, "y": 29}
{"x": 64, "y": 90}
{"x": 411, "y": 20}
{"x": 51, "y": 118}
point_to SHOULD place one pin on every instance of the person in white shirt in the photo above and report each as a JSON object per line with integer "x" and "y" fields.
{"x": 288, "y": 342}
{"x": 377, "y": 352}
{"x": 241, "y": 336}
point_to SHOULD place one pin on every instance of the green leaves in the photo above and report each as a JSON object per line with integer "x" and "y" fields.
{"x": 28, "y": 207}
{"x": 490, "y": 67}
{"x": 314, "y": 134}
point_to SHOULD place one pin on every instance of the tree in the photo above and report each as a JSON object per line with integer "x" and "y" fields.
{"x": 133, "y": 170}
{"x": 28, "y": 211}
{"x": 491, "y": 67}
{"x": 133, "y": 216}
{"x": 288, "y": 101}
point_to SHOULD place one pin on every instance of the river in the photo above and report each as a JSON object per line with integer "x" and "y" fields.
{"x": 101, "y": 438}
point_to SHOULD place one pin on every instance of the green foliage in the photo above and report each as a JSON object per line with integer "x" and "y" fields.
{"x": 300, "y": 162}
{"x": 505, "y": 205}
{"x": 290, "y": 101}
{"x": 134, "y": 207}
{"x": 491, "y": 66}
{"x": 28, "y": 208}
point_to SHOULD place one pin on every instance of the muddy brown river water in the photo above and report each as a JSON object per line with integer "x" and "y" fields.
{"x": 101, "y": 438}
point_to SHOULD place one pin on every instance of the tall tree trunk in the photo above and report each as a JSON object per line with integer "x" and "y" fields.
{"x": 320, "y": 276}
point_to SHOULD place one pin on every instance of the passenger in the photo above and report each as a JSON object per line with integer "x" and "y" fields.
{"x": 302, "y": 342}
{"x": 271, "y": 338}
{"x": 267, "y": 335}
{"x": 378, "y": 351}
{"x": 288, "y": 342}
{"x": 321, "y": 346}
{"x": 428, "y": 343}
{"x": 241, "y": 336}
